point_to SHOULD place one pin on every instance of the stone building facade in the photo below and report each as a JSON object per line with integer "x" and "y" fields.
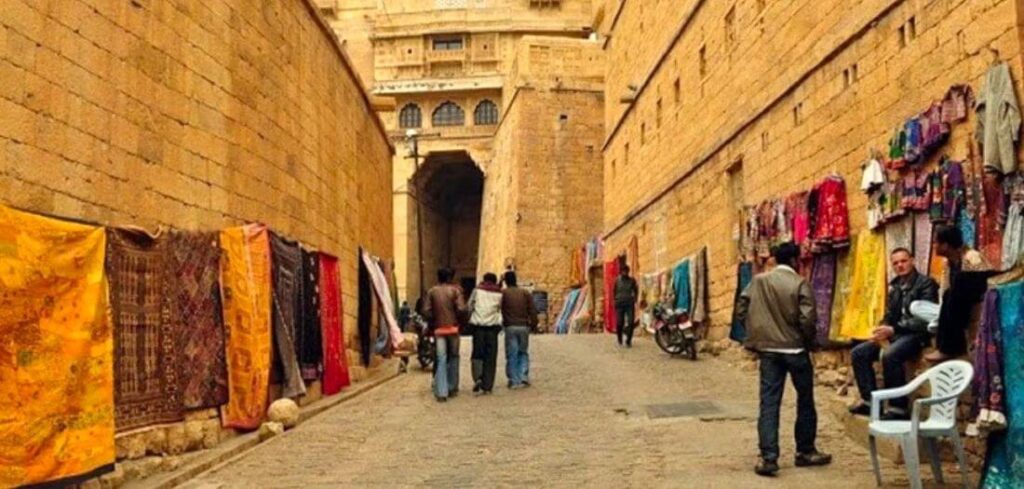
{"x": 200, "y": 117}
{"x": 445, "y": 63}
{"x": 711, "y": 106}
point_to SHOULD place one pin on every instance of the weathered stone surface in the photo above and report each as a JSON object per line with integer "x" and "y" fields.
{"x": 156, "y": 441}
{"x": 177, "y": 440}
{"x": 131, "y": 446}
{"x": 113, "y": 479}
{"x": 194, "y": 434}
{"x": 270, "y": 429}
{"x": 142, "y": 468}
{"x": 284, "y": 411}
{"x": 211, "y": 433}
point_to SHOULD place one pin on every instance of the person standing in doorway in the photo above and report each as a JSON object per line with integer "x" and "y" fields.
{"x": 404, "y": 315}
{"x": 519, "y": 315}
{"x": 444, "y": 304}
{"x": 779, "y": 313}
{"x": 626, "y": 292}
{"x": 485, "y": 309}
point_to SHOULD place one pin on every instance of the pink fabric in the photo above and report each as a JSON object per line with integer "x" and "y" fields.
{"x": 383, "y": 293}
{"x": 611, "y": 272}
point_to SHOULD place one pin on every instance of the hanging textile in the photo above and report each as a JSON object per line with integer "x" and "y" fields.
{"x": 700, "y": 287}
{"x": 562, "y": 323}
{"x": 365, "y": 317}
{"x": 823, "y": 283}
{"x": 844, "y": 277}
{"x": 1005, "y": 462}
{"x": 633, "y": 255}
{"x": 1013, "y": 236}
{"x": 147, "y": 387}
{"x": 681, "y": 284}
{"x": 246, "y": 297}
{"x": 898, "y": 234}
{"x": 582, "y": 316}
{"x": 336, "y": 374}
{"x": 832, "y": 222}
{"x": 575, "y": 275}
{"x": 383, "y": 292}
{"x": 999, "y": 120}
{"x": 744, "y": 275}
{"x": 992, "y": 219}
{"x": 309, "y": 339}
{"x": 611, "y": 273}
{"x": 989, "y": 410}
{"x": 56, "y": 351}
{"x": 195, "y": 304}
{"x": 923, "y": 231}
{"x": 288, "y": 309}
{"x": 865, "y": 304}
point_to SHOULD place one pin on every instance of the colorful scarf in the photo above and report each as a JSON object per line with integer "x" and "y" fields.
{"x": 681, "y": 284}
{"x": 611, "y": 273}
{"x": 336, "y": 375}
{"x": 1006, "y": 449}
{"x": 823, "y": 284}
{"x": 865, "y": 304}
{"x": 308, "y": 337}
{"x": 744, "y": 275}
{"x": 56, "y": 351}
{"x": 288, "y": 313}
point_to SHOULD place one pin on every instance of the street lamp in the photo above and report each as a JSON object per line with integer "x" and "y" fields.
{"x": 412, "y": 142}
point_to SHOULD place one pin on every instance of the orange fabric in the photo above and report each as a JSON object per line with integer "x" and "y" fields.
{"x": 245, "y": 288}
{"x": 446, "y": 330}
{"x": 56, "y": 351}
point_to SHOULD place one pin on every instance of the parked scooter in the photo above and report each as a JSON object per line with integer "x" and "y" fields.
{"x": 425, "y": 345}
{"x": 674, "y": 333}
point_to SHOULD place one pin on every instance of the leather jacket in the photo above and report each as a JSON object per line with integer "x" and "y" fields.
{"x": 916, "y": 287}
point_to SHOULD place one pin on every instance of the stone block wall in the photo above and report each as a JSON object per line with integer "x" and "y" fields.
{"x": 772, "y": 109}
{"x": 196, "y": 115}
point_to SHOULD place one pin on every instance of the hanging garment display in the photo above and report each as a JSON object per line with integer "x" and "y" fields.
{"x": 956, "y": 103}
{"x": 998, "y": 121}
{"x": 582, "y": 318}
{"x": 569, "y": 305}
{"x": 823, "y": 283}
{"x": 989, "y": 410}
{"x": 866, "y": 302}
{"x": 611, "y": 273}
{"x": 700, "y": 287}
{"x": 309, "y": 339}
{"x": 57, "y": 399}
{"x": 288, "y": 312}
{"x": 1013, "y": 236}
{"x": 246, "y": 297}
{"x": 195, "y": 304}
{"x": 898, "y": 234}
{"x": 681, "y": 285}
{"x": 744, "y": 275}
{"x": 923, "y": 231}
{"x": 1005, "y": 464}
{"x": 382, "y": 291}
{"x": 335, "y": 363}
{"x": 844, "y": 277}
{"x": 993, "y": 218}
{"x": 832, "y": 223}
{"x": 365, "y": 311}
{"x": 147, "y": 389}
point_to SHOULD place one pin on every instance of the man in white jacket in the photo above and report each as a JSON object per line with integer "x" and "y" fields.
{"x": 485, "y": 305}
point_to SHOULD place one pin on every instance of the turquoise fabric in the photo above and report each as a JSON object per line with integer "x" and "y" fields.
{"x": 1005, "y": 468}
{"x": 681, "y": 284}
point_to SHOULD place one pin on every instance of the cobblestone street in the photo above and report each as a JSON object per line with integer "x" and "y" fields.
{"x": 582, "y": 424}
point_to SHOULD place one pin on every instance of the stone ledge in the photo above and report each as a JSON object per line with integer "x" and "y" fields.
{"x": 212, "y": 458}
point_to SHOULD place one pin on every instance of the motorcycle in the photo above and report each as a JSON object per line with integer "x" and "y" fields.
{"x": 425, "y": 346}
{"x": 674, "y": 333}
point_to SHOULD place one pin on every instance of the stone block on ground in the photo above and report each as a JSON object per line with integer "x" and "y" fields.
{"x": 211, "y": 433}
{"x": 284, "y": 411}
{"x": 131, "y": 446}
{"x": 156, "y": 442}
{"x": 177, "y": 440}
{"x": 269, "y": 430}
{"x": 194, "y": 433}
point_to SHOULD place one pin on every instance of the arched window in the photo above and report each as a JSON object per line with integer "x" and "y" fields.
{"x": 449, "y": 114}
{"x": 410, "y": 117}
{"x": 486, "y": 114}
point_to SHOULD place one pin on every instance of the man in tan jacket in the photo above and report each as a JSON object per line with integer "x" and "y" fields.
{"x": 779, "y": 313}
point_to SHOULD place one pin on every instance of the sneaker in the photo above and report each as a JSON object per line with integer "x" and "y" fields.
{"x": 813, "y": 459}
{"x": 526, "y": 383}
{"x": 862, "y": 409}
{"x": 516, "y": 387}
{"x": 766, "y": 468}
{"x": 441, "y": 399}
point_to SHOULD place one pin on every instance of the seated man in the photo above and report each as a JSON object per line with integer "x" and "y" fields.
{"x": 905, "y": 335}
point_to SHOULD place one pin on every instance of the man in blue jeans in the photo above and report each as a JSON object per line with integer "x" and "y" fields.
{"x": 779, "y": 313}
{"x": 519, "y": 315}
{"x": 445, "y": 303}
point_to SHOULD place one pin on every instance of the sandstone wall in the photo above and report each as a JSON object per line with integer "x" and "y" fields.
{"x": 197, "y": 115}
{"x": 773, "y": 112}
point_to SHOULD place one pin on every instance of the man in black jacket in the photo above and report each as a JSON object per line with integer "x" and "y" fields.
{"x": 626, "y": 292}
{"x": 905, "y": 335}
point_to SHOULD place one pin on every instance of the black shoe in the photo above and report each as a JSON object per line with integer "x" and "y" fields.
{"x": 477, "y": 387}
{"x": 862, "y": 409}
{"x": 441, "y": 399}
{"x": 766, "y": 468}
{"x": 813, "y": 459}
{"x": 453, "y": 393}
{"x": 895, "y": 415}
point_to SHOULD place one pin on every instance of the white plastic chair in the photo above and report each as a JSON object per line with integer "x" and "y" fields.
{"x": 948, "y": 380}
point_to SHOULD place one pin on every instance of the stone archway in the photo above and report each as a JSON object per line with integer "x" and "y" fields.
{"x": 446, "y": 224}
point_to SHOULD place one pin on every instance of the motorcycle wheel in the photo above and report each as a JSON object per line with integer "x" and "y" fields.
{"x": 669, "y": 340}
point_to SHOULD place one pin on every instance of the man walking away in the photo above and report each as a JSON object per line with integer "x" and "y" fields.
{"x": 442, "y": 308}
{"x": 485, "y": 306}
{"x": 906, "y": 334}
{"x": 519, "y": 316}
{"x": 625, "y": 305}
{"x": 779, "y": 313}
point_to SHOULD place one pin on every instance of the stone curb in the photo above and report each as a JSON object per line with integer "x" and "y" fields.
{"x": 237, "y": 446}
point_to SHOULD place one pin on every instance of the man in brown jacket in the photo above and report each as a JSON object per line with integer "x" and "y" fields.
{"x": 445, "y": 302}
{"x": 779, "y": 313}
{"x": 519, "y": 315}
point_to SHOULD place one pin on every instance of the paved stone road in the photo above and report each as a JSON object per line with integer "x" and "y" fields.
{"x": 582, "y": 424}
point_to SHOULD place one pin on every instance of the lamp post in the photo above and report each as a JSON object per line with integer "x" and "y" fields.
{"x": 412, "y": 142}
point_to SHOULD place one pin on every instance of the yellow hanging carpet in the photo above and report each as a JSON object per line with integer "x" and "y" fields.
{"x": 246, "y": 292}
{"x": 56, "y": 352}
{"x": 865, "y": 304}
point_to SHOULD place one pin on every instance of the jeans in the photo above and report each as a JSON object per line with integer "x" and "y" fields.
{"x": 485, "y": 355}
{"x": 626, "y": 316}
{"x": 446, "y": 366}
{"x": 901, "y": 349}
{"x": 774, "y": 367}
{"x": 517, "y": 354}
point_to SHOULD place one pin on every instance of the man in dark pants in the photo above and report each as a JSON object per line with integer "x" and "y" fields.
{"x": 625, "y": 305}
{"x": 964, "y": 283}
{"x": 444, "y": 304}
{"x": 485, "y": 307}
{"x": 906, "y": 336}
{"x": 779, "y": 313}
